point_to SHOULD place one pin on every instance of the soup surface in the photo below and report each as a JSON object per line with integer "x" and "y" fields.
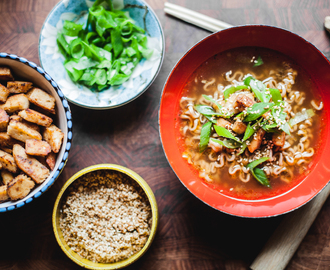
{"x": 250, "y": 123}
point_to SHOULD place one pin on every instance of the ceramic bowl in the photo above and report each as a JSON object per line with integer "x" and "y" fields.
{"x": 143, "y": 76}
{"x": 29, "y": 71}
{"x": 307, "y": 56}
{"x": 87, "y": 263}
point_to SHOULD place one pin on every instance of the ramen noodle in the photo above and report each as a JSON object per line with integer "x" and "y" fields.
{"x": 250, "y": 122}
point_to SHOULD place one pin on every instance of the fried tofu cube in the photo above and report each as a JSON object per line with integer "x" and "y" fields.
{"x": 16, "y": 87}
{"x": 242, "y": 102}
{"x": 239, "y": 127}
{"x": 5, "y": 74}
{"x": 3, "y": 194}
{"x": 16, "y": 103}
{"x": 6, "y": 177}
{"x": 20, "y": 187}
{"x": 30, "y": 165}
{"x": 4, "y": 93}
{"x": 279, "y": 139}
{"x": 257, "y": 140}
{"x": 7, "y": 161}
{"x": 22, "y": 132}
{"x": 6, "y": 140}
{"x": 4, "y": 119}
{"x": 37, "y": 148}
{"x": 51, "y": 160}
{"x": 223, "y": 123}
{"x": 28, "y": 124}
{"x": 54, "y": 136}
{"x": 35, "y": 117}
{"x": 42, "y": 99}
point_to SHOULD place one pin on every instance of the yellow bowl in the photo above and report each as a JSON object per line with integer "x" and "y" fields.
{"x": 87, "y": 263}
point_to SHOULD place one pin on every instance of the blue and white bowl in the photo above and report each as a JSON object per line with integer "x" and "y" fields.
{"x": 143, "y": 76}
{"x": 29, "y": 71}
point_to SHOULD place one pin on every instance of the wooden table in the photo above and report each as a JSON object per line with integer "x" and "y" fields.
{"x": 190, "y": 235}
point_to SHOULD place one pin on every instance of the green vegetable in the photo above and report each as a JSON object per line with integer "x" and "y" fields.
{"x": 261, "y": 177}
{"x": 105, "y": 51}
{"x": 227, "y": 143}
{"x": 276, "y": 95}
{"x": 258, "y": 173}
{"x": 71, "y": 29}
{"x": 255, "y": 163}
{"x": 243, "y": 147}
{"x": 206, "y": 110}
{"x": 258, "y": 88}
{"x": 248, "y": 132}
{"x": 205, "y": 136}
{"x": 258, "y": 62}
{"x": 233, "y": 89}
{"x": 301, "y": 116}
{"x": 223, "y": 132}
{"x": 213, "y": 101}
{"x": 257, "y": 110}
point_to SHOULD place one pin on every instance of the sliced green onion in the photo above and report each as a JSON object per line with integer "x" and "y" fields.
{"x": 227, "y": 143}
{"x": 301, "y": 116}
{"x": 205, "y": 136}
{"x": 223, "y": 132}
{"x": 257, "y": 110}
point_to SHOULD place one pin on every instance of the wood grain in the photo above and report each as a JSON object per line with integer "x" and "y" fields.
{"x": 191, "y": 235}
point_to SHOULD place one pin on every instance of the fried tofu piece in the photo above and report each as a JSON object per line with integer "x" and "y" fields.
{"x": 6, "y": 176}
{"x": 223, "y": 123}
{"x": 7, "y": 161}
{"x": 5, "y": 74}
{"x": 22, "y": 132}
{"x": 242, "y": 102}
{"x": 239, "y": 127}
{"x": 4, "y": 119}
{"x": 54, "y": 136}
{"x": 20, "y": 187}
{"x": 37, "y": 148}
{"x": 42, "y": 99}
{"x": 51, "y": 160}
{"x": 31, "y": 166}
{"x": 6, "y": 140}
{"x": 3, "y": 194}
{"x": 257, "y": 140}
{"x": 28, "y": 124}
{"x": 16, "y": 103}
{"x": 4, "y": 93}
{"x": 16, "y": 87}
{"x": 35, "y": 117}
{"x": 279, "y": 139}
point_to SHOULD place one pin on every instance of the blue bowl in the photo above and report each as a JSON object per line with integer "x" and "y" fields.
{"x": 143, "y": 76}
{"x": 29, "y": 71}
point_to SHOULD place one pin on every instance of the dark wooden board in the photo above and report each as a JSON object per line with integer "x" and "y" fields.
{"x": 190, "y": 235}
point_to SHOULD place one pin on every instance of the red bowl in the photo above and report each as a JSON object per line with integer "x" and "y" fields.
{"x": 304, "y": 54}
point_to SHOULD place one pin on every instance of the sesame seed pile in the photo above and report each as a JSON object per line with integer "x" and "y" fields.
{"x": 105, "y": 217}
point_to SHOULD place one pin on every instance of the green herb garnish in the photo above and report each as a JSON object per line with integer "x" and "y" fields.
{"x": 105, "y": 51}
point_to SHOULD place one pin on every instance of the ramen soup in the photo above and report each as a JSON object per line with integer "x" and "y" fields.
{"x": 250, "y": 123}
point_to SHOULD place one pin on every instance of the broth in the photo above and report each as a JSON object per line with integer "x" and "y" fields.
{"x": 226, "y": 169}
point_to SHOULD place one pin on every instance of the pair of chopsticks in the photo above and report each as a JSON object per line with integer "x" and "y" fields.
{"x": 195, "y": 18}
{"x": 284, "y": 242}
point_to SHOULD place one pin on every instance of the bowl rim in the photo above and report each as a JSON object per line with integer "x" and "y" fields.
{"x": 62, "y": 2}
{"x": 154, "y": 209}
{"x": 66, "y": 144}
{"x": 248, "y": 214}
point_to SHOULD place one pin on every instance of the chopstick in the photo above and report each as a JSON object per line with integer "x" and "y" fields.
{"x": 284, "y": 242}
{"x": 195, "y": 18}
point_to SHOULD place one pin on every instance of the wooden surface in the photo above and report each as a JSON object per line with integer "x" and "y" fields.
{"x": 190, "y": 235}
